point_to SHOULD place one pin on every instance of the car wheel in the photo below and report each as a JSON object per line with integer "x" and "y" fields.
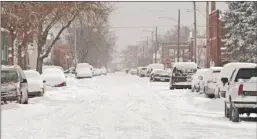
{"x": 42, "y": 92}
{"x": 19, "y": 98}
{"x": 171, "y": 87}
{"x": 193, "y": 89}
{"x": 226, "y": 110}
{"x": 234, "y": 117}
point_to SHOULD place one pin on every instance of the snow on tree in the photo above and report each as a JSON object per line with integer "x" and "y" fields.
{"x": 241, "y": 24}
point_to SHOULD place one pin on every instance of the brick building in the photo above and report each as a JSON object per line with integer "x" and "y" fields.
{"x": 62, "y": 55}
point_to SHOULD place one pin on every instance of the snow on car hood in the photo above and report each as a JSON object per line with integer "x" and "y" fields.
{"x": 32, "y": 82}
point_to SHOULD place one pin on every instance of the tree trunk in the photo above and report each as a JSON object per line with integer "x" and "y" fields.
{"x": 19, "y": 56}
{"x": 39, "y": 64}
{"x": 13, "y": 36}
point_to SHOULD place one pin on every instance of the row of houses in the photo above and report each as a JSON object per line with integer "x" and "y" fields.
{"x": 60, "y": 55}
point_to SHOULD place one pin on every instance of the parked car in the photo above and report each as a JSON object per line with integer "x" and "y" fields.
{"x": 182, "y": 74}
{"x": 96, "y": 72}
{"x": 196, "y": 78}
{"x": 241, "y": 93}
{"x": 84, "y": 70}
{"x": 210, "y": 81}
{"x": 54, "y": 77}
{"x": 52, "y": 66}
{"x": 36, "y": 85}
{"x": 14, "y": 85}
{"x": 104, "y": 71}
{"x": 226, "y": 72}
{"x": 159, "y": 75}
{"x": 133, "y": 71}
{"x": 153, "y": 66}
{"x": 143, "y": 72}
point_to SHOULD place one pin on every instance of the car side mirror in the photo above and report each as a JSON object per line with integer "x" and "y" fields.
{"x": 224, "y": 80}
{"x": 44, "y": 81}
{"x": 24, "y": 81}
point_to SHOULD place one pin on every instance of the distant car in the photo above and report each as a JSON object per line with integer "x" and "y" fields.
{"x": 133, "y": 71}
{"x": 182, "y": 75}
{"x": 195, "y": 84}
{"x": 84, "y": 70}
{"x": 210, "y": 81}
{"x": 143, "y": 72}
{"x": 36, "y": 85}
{"x": 104, "y": 71}
{"x": 54, "y": 77}
{"x": 159, "y": 75}
{"x": 52, "y": 66}
{"x": 14, "y": 85}
{"x": 96, "y": 72}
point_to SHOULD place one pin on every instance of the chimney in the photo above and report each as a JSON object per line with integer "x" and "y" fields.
{"x": 213, "y": 6}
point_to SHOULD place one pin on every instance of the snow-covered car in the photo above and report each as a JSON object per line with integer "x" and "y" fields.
{"x": 195, "y": 84}
{"x": 52, "y": 66}
{"x": 96, "y": 72}
{"x": 153, "y": 66}
{"x": 133, "y": 71}
{"x": 54, "y": 77}
{"x": 104, "y": 71}
{"x": 182, "y": 74}
{"x": 241, "y": 93}
{"x": 36, "y": 85}
{"x": 226, "y": 72}
{"x": 159, "y": 75}
{"x": 84, "y": 70}
{"x": 210, "y": 81}
{"x": 142, "y": 72}
{"x": 14, "y": 84}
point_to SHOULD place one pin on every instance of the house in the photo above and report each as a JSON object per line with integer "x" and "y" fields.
{"x": 62, "y": 55}
{"x": 5, "y": 43}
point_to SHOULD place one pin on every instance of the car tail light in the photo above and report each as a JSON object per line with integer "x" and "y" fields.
{"x": 240, "y": 89}
{"x": 63, "y": 84}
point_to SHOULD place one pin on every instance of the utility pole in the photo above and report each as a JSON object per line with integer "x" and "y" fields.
{"x": 152, "y": 35}
{"x": 195, "y": 32}
{"x": 207, "y": 36}
{"x": 156, "y": 46}
{"x": 178, "y": 51}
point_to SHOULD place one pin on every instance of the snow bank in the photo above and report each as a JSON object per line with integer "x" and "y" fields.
{"x": 200, "y": 101}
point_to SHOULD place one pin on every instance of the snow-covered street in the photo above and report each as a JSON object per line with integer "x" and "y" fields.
{"x": 120, "y": 106}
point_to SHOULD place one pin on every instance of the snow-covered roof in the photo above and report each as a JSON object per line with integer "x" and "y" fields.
{"x": 185, "y": 65}
{"x": 230, "y": 67}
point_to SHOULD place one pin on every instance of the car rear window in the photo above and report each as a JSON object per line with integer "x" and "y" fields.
{"x": 246, "y": 73}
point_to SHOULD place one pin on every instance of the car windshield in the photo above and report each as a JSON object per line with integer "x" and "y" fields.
{"x": 9, "y": 76}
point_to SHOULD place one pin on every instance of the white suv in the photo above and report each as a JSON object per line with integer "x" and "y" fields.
{"x": 241, "y": 93}
{"x": 14, "y": 85}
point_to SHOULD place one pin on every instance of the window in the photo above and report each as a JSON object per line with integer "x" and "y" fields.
{"x": 246, "y": 73}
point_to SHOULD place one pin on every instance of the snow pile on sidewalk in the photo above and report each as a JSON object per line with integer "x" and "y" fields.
{"x": 200, "y": 101}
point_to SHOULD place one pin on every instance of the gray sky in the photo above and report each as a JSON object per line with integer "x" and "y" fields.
{"x": 138, "y": 14}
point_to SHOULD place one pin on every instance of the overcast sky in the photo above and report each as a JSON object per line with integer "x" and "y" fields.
{"x": 130, "y": 18}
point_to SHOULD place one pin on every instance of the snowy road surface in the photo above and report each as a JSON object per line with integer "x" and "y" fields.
{"x": 120, "y": 106}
